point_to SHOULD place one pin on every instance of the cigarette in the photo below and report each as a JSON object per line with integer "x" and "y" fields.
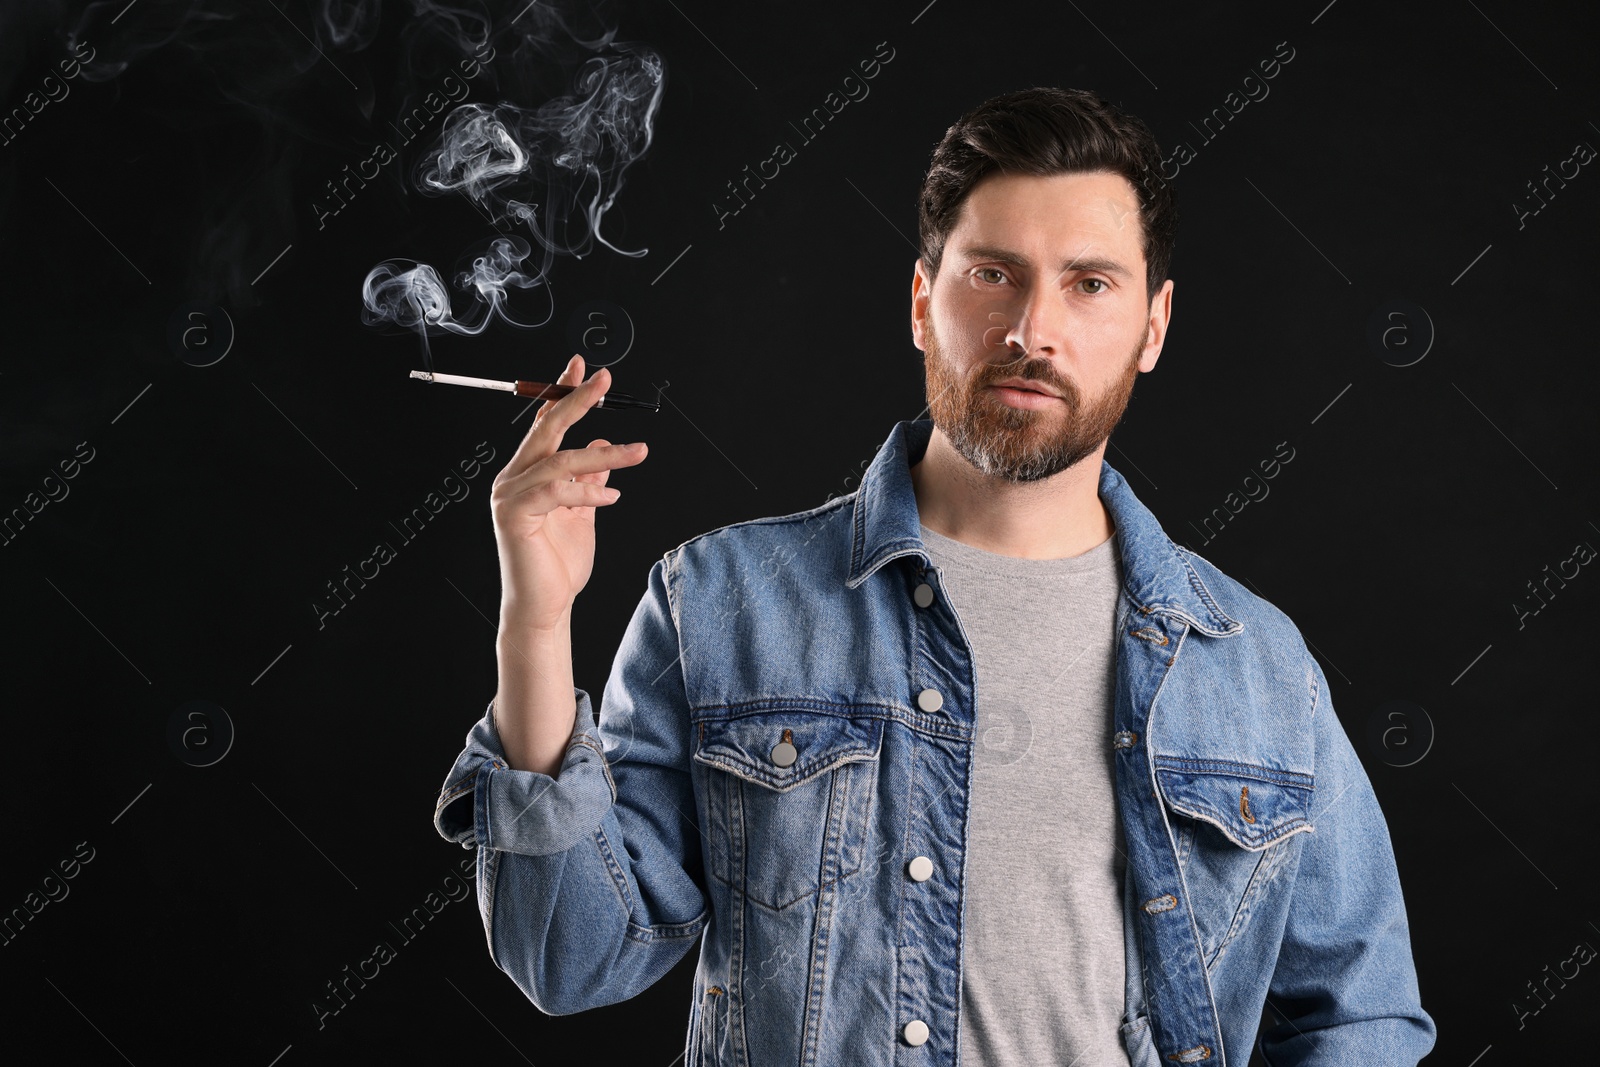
{"x": 538, "y": 390}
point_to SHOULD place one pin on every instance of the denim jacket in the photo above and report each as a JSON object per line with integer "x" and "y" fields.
{"x": 789, "y": 723}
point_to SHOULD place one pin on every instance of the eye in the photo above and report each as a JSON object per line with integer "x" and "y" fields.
{"x": 1096, "y": 281}
{"x": 981, "y": 271}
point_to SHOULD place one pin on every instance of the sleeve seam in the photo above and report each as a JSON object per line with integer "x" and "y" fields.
{"x": 459, "y": 787}
{"x": 1316, "y": 689}
{"x": 618, "y": 878}
{"x": 605, "y": 765}
{"x": 667, "y": 931}
{"x": 668, "y": 576}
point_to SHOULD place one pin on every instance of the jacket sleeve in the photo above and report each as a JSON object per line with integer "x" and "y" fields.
{"x": 590, "y": 883}
{"x": 1345, "y": 987}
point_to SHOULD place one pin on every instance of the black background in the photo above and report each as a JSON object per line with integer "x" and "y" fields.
{"x": 1384, "y": 165}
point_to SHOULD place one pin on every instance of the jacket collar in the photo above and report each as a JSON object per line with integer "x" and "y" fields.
{"x": 1155, "y": 575}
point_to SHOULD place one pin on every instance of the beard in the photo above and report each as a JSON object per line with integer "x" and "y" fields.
{"x": 1017, "y": 444}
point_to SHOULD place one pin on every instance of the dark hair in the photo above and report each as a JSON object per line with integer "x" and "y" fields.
{"x": 1045, "y": 131}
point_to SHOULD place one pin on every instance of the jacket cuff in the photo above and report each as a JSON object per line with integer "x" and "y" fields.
{"x": 486, "y": 802}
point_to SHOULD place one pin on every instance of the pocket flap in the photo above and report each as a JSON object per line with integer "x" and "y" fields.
{"x": 1254, "y": 806}
{"x": 822, "y": 740}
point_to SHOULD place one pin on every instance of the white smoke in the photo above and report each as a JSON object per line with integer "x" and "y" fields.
{"x": 415, "y": 298}
{"x": 544, "y": 166}
{"x": 350, "y": 24}
{"x": 556, "y": 168}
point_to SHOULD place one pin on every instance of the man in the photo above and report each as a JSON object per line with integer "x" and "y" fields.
{"x": 973, "y": 764}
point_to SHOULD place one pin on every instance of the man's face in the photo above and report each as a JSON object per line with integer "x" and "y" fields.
{"x": 1042, "y": 280}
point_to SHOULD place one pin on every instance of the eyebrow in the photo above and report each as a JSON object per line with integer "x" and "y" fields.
{"x": 1001, "y": 255}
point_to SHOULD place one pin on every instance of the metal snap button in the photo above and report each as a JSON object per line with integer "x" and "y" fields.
{"x": 784, "y": 753}
{"x": 923, "y": 595}
{"x": 930, "y": 700}
{"x": 920, "y": 869}
{"x": 915, "y": 1032}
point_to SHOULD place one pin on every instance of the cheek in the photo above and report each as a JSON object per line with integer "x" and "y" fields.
{"x": 973, "y": 321}
{"x": 1106, "y": 332}
{"x": 994, "y": 335}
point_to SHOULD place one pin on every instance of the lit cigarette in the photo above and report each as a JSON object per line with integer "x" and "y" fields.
{"x": 538, "y": 390}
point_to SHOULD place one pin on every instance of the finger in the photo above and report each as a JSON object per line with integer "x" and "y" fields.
{"x": 575, "y": 464}
{"x": 568, "y": 410}
{"x": 535, "y": 446}
{"x": 571, "y": 374}
{"x": 595, "y": 477}
{"x": 547, "y": 496}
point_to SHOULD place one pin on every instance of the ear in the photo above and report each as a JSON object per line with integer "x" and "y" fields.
{"x": 921, "y": 292}
{"x": 1160, "y": 317}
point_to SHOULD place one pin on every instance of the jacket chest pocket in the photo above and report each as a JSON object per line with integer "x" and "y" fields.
{"x": 788, "y": 795}
{"x": 1252, "y": 806}
{"x": 1231, "y": 823}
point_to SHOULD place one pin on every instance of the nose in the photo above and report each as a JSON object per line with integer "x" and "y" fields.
{"x": 1037, "y": 322}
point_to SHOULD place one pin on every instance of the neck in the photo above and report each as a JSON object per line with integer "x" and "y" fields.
{"x": 1053, "y": 518}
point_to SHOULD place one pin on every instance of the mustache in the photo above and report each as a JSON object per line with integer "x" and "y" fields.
{"x": 1031, "y": 370}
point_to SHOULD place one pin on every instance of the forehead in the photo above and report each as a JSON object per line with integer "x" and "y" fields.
{"x": 1049, "y": 213}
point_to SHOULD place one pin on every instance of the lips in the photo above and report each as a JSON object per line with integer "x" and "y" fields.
{"x": 1027, "y": 387}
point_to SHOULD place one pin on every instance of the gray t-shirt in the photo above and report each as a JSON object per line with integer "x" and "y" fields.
{"x": 1042, "y": 959}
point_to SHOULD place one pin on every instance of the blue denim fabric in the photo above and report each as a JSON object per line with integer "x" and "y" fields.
{"x": 1259, "y": 863}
